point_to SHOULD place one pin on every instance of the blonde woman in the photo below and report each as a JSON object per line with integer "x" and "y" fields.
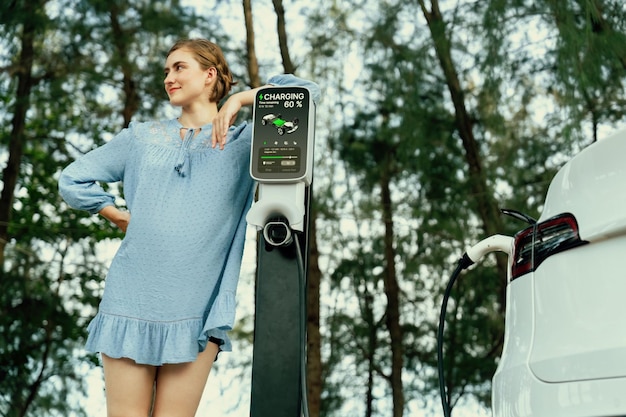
{"x": 169, "y": 297}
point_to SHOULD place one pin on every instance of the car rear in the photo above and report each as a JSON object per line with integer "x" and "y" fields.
{"x": 565, "y": 337}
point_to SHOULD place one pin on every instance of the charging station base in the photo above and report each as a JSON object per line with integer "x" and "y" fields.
{"x": 277, "y": 357}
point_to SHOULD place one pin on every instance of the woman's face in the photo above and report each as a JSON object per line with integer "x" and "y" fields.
{"x": 185, "y": 81}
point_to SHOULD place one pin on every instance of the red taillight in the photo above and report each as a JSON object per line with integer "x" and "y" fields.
{"x": 535, "y": 244}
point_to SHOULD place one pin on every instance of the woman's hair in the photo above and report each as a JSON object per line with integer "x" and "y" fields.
{"x": 209, "y": 55}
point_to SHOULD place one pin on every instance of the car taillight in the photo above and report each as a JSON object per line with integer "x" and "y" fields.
{"x": 535, "y": 244}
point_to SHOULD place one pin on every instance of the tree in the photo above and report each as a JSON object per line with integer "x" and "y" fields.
{"x": 589, "y": 60}
{"x": 253, "y": 64}
{"x": 33, "y": 24}
{"x": 40, "y": 321}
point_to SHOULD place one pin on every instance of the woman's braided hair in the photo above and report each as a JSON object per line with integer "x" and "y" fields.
{"x": 208, "y": 55}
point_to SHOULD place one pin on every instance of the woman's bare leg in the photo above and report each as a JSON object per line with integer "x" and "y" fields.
{"x": 179, "y": 387}
{"x": 129, "y": 387}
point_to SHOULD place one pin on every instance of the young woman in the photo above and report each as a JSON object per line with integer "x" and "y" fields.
{"x": 169, "y": 295}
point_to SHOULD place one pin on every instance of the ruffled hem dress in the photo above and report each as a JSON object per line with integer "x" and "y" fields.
{"x": 171, "y": 286}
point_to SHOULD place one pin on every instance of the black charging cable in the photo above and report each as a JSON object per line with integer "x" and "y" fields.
{"x": 472, "y": 255}
{"x": 302, "y": 295}
{"x": 463, "y": 263}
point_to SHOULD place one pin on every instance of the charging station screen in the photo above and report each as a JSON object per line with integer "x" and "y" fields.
{"x": 283, "y": 159}
{"x": 281, "y": 130}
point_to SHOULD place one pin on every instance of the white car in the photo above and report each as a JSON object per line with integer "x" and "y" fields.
{"x": 565, "y": 334}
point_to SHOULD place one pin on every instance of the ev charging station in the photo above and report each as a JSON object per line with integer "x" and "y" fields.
{"x": 282, "y": 163}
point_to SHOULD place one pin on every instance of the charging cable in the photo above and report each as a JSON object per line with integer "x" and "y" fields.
{"x": 474, "y": 254}
{"x": 302, "y": 295}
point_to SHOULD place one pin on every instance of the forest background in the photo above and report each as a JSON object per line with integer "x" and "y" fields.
{"x": 435, "y": 115}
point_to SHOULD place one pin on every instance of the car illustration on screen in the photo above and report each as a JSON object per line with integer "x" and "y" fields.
{"x": 282, "y": 126}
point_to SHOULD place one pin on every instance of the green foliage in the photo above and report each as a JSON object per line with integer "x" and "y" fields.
{"x": 590, "y": 58}
{"x": 42, "y": 319}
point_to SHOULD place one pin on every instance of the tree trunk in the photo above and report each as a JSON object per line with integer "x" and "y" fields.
{"x": 253, "y": 63}
{"x": 282, "y": 37}
{"x": 486, "y": 206}
{"x": 11, "y": 171}
{"x": 120, "y": 41}
{"x": 372, "y": 345}
{"x": 392, "y": 291}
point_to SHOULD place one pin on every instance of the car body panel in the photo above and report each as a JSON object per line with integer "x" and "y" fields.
{"x": 521, "y": 394}
{"x": 580, "y": 314}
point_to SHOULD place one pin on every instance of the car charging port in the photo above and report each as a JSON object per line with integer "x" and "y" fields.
{"x": 277, "y": 233}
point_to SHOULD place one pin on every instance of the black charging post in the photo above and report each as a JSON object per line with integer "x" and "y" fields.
{"x": 282, "y": 164}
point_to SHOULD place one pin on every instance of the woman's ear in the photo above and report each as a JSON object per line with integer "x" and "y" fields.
{"x": 211, "y": 75}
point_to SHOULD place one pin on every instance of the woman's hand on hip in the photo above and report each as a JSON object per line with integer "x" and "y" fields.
{"x": 120, "y": 218}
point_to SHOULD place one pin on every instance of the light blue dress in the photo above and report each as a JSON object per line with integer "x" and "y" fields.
{"x": 171, "y": 286}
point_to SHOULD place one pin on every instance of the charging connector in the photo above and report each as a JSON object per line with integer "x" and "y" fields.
{"x": 277, "y": 233}
{"x": 474, "y": 254}
{"x": 493, "y": 243}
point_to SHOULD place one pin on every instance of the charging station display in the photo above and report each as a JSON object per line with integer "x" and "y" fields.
{"x": 282, "y": 138}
